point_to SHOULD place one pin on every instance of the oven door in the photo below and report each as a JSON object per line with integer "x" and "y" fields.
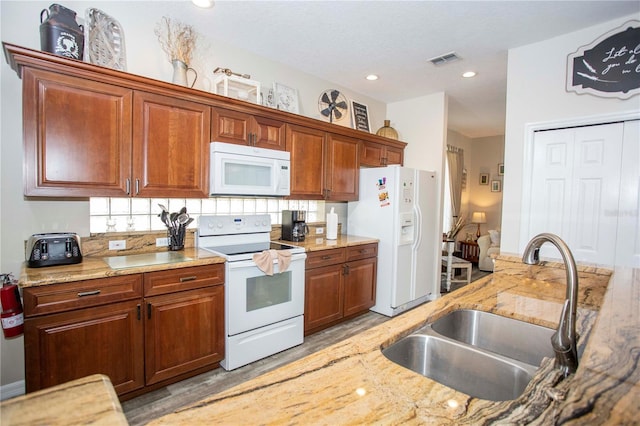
{"x": 255, "y": 299}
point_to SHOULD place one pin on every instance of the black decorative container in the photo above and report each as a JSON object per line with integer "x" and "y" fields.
{"x": 60, "y": 33}
{"x": 176, "y": 238}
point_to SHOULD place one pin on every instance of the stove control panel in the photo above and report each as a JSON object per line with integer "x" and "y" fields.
{"x": 232, "y": 225}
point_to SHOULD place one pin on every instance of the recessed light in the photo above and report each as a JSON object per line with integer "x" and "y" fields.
{"x": 203, "y": 3}
{"x": 372, "y": 77}
{"x": 469, "y": 74}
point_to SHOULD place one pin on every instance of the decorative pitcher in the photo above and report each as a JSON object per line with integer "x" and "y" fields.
{"x": 60, "y": 33}
{"x": 180, "y": 70}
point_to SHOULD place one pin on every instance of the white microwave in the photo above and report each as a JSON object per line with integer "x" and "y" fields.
{"x": 248, "y": 171}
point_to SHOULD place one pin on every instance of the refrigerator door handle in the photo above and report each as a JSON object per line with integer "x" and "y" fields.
{"x": 417, "y": 239}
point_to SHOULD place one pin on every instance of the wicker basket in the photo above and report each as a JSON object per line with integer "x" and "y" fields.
{"x": 104, "y": 40}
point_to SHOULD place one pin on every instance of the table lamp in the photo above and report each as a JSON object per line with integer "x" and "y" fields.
{"x": 478, "y": 217}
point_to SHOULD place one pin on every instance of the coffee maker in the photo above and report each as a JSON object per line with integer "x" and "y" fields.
{"x": 294, "y": 227}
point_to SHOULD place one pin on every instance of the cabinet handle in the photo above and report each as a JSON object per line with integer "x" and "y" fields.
{"x": 137, "y": 186}
{"x": 149, "y": 310}
{"x": 88, "y": 293}
{"x": 185, "y": 279}
{"x": 138, "y": 309}
{"x": 345, "y": 269}
{"x": 128, "y": 188}
{"x": 326, "y": 257}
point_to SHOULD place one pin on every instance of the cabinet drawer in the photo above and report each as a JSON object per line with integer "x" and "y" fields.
{"x": 62, "y": 297}
{"x": 181, "y": 279}
{"x": 362, "y": 252}
{"x": 325, "y": 257}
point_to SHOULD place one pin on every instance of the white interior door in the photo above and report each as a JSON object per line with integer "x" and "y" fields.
{"x": 628, "y": 212}
{"x": 575, "y": 185}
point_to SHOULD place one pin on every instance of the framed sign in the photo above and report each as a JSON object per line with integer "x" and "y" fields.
{"x": 360, "y": 116}
{"x": 610, "y": 66}
{"x": 484, "y": 178}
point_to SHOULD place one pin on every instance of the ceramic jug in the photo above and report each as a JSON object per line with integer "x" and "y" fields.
{"x": 60, "y": 33}
{"x": 180, "y": 70}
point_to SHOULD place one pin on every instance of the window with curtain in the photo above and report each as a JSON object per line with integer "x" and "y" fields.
{"x": 453, "y": 184}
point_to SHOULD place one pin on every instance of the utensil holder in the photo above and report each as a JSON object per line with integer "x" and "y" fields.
{"x": 176, "y": 238}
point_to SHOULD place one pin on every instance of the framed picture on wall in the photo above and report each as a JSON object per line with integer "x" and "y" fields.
{"x": 286, "y": 98}
{"x": 496, "y": 186}
{"x": 500, "y": 169}
{"x": 484, "y": 178}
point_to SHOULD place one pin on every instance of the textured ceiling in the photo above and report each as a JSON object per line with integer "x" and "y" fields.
{"x": 342, "y": 41}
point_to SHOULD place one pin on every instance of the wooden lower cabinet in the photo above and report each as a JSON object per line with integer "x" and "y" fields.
{"x": 339, "y": 284}
{"x": 108, "y": 326}
{"x": 360, "y": 286}
{"x": 170, "y": 347}
{"x": 324, "y": 296}
{"x": 69, "y": 345}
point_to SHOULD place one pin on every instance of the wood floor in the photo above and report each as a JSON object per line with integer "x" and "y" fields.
{"x": 163, "y": 401}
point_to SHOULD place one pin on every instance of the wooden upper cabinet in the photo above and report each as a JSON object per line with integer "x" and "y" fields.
{"x": 171, "y": 148}
{"x": 77, "y": 136}
{"x": 247, "y": 129}
{"x": 90, "y": 131}
{"x": 378, "y": 155}
{"x": 308, "y": 149}
{"x": 342, "y": 168}
{"x": 324, "y": 166}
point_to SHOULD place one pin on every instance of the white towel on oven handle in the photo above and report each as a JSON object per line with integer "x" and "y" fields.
{"x": 264, "y": 260}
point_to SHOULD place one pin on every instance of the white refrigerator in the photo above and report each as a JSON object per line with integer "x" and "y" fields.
{"x": 397, "y": 205}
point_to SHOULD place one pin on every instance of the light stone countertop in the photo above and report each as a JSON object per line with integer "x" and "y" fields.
{"x": 313, "y": 243}
{"x": 96, "y": 266}
{"x": 351, "y": 382}
{"x": 89, "y": 400}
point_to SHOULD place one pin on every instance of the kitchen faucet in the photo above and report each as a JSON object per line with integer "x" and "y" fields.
{"x": 564, "y": 339}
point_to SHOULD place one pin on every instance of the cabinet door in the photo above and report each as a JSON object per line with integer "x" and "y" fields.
{"x": 371, "y": 154}
{"x": 230, "y": 126}
{"x": 342, "y": 168}
{"x": 307, "y": 148}
{"x": 323, "y": 299}
{"x": 77, "y": 136}
{"x": 171, "y": 149}
{"x": 268, "y": 133}
{"x": 67, "y": 346}
{"x": 378, "y": 155}
{"x": 394, "y": 156}
{"x": 360, "y": 286}
{"x": 183, "y": 331}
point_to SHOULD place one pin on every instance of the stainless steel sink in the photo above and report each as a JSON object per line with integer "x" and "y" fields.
{"x": 464, "y": 368}
{"x": 482, "y": 354}
{"x": 512, "y": 338}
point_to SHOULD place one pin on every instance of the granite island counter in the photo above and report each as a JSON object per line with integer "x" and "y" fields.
{"x": 353, "y": 383}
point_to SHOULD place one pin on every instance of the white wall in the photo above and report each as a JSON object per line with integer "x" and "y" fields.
{"x": 535, "y": 94}
{"x": 20, "y": 25}
{"x": 486, "y": 154}
{"x": 422, "y": 123}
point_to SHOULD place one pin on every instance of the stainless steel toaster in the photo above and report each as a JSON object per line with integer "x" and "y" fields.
{"x": 50, "y": 249}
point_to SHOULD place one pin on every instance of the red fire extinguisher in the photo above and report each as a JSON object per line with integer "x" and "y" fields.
{"x": 12, "y": 317}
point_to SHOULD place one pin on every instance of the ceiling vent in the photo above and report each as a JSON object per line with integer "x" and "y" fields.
{"x": 446, "y": 58}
